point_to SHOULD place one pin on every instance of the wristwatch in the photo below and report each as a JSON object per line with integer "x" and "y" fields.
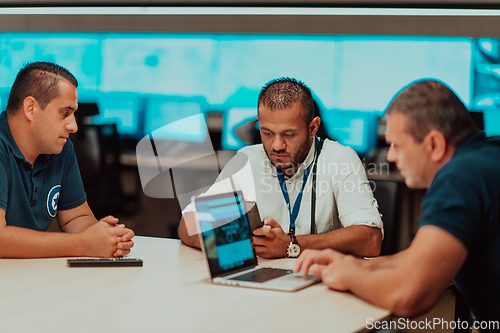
{"x": 293, "y": 250}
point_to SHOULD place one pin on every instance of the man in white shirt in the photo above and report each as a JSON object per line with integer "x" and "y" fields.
{"x": 279, "y": 175}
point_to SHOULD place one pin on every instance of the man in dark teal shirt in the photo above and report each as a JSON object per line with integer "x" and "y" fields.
{"x": 39, "y": 175}
{"x": 435, "y": 145}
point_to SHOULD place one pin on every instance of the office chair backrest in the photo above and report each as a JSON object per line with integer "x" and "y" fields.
{"x": 386, "y": 193}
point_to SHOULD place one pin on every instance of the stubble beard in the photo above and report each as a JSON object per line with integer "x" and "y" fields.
{"x": 298, "y": 158}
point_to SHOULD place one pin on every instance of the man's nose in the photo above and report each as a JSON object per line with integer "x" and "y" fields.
{"x": 391, "y": 154}
{"x": 72, "y": 126}
{"x": 278, "y": 143}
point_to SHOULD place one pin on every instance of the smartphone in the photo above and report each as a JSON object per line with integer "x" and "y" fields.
{"x": 253, "y": 216}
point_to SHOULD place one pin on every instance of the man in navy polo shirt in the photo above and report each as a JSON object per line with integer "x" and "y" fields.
{"x": 39, "y": 175}
{"x": 435, "y": 145}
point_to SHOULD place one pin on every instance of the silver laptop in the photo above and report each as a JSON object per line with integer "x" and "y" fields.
{"x": 226, "y": 241}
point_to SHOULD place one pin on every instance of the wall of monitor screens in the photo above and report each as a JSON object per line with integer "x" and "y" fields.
{"x": 143, "y": 81}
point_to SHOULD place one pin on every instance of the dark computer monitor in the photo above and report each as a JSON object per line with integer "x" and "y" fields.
{"x": 87, "y": 110}
{"x": 478, "y": 119}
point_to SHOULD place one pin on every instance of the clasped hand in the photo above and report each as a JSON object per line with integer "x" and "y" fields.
{"x": 273, "y": 242}
{"x": 108, "y": 238}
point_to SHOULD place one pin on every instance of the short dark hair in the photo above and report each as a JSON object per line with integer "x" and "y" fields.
{"x": 430, "y": 104}
{"x": 282, "y": 93}
{"x": 39, "y": 80}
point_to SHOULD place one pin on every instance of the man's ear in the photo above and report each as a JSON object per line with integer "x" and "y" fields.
{"x": 436, "y": 145}
{"x": 313, "y": 126}
{"x": 29, "y": 105}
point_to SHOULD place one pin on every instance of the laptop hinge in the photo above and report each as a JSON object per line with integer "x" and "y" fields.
{"x": 234, "y": 271}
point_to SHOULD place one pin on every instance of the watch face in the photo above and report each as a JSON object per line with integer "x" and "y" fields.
{"x": 293, "y": 250}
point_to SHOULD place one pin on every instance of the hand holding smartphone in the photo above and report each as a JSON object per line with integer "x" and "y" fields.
{"x": 253, "y": 215}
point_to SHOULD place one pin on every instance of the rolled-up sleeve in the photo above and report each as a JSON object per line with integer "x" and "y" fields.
{"x": 355, "y": 202}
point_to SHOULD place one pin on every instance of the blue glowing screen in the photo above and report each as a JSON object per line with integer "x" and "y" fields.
{"x": 344, "y": 72}
{"x": 120, "y": 109}
{"x": 249, "y": 61}
{"x": 355, "y": 129}
{"x": 80, "y": 53}
{"x": 164, "y": 64}
{"x": 225, "y": 231}
{"x": 174, "y": 119}
{"x": 371, "y": 70}
{"x": 492, "y": 122}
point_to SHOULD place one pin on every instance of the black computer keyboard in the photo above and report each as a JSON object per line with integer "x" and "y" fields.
{"x": 262, "y": 274}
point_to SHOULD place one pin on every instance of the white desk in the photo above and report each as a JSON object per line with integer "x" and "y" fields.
{"x": 171, "y": 293}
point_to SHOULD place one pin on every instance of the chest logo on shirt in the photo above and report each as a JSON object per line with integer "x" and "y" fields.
{"x": 52, "y": 200}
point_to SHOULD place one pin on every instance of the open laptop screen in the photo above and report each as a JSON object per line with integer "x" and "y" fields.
{"x": 225, "y": 233}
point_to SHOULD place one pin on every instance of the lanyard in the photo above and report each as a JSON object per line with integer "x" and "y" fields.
{"x": 296, "y": 206}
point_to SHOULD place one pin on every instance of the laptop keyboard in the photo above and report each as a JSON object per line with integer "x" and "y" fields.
{"x": 262, "y": 274}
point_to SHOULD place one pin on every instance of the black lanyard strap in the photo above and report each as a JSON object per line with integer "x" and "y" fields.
{"x": 313, "y": 189}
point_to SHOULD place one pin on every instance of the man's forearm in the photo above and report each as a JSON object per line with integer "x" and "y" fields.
{"x": 407, "y": 283}
{"x": 16, "y": 242}
{"x": 79, "y": 224}
{"x": 390, "y": 261}
{"x": 381, "y": 287}
{"x": 358, "y": 240}
{"x": 392, "y": 287}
